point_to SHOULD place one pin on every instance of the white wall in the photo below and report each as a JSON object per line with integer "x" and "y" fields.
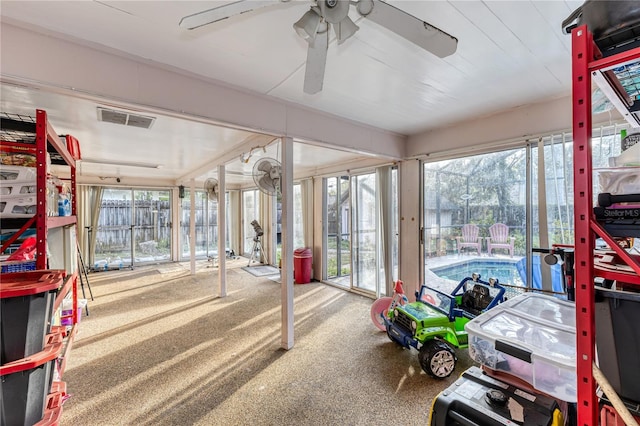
{"x": 499, "y": 131}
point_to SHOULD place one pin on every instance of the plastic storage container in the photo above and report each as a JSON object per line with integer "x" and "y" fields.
{"x": 17, "y": 188}
{"x": 67, "y": 311}
{"x": 25, "y": 384}
{"x": 18, "y": 174}
{"x": 533, "y": 337}
{"x": 53, "y": 405}
{"x": 619, "y": 181}
{"x": 617, "y": 315}
{"x": 21, "y": 205}
{"x": 26, "y": 303}
{"x": 18, "y": 266}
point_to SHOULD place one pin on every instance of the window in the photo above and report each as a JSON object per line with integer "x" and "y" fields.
{"x": 250, "y": 212}
{"x": 492, "y": 188}
{"x": 134, "y": 226}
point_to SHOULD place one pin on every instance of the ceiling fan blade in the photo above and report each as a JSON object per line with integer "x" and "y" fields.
{"x": 345, "y": 29}
{"x": 223, "y": 12}
{"x": 408, "y": 26}
{"x": 316, "y": 62}
{"x": 267, "y": 183}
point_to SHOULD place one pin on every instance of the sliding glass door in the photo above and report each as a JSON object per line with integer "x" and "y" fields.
{"x": 337, "y": 265}
{"x": 200, "y": 224}
{"x": 113, "y": 234}
{"x": 134, "y": 226}
{"x": 365, "y": 237}
{"x": 250, "y": 212}
{"x": 361, "y": 236}
{"x": 152, "y": 225}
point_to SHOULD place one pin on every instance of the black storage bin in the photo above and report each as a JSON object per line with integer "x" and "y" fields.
{"x": 617, "y": 315}
{"x": 612, "y": 23}
{"x": 26, "y": 300}
{"x": 25, "y": 384}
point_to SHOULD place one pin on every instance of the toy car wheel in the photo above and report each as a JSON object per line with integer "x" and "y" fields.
{"x": 437, "y": 359}
{"x": 378, "y": 309}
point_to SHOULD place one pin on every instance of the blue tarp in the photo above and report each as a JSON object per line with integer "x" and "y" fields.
{"x": 556, "y": 274}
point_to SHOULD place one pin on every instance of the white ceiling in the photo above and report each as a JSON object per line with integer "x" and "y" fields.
{"x": 510, "y": 53}
{"x": 172, "y": 149}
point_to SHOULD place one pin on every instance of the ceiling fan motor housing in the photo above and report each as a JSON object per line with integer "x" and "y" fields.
{"x": 334, "y": 11}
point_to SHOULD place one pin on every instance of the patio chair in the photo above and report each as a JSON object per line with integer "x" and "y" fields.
{"x": 470, "y": 237}
{"x": 499, "y": 238}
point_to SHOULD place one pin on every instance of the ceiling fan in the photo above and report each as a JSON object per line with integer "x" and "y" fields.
{"x": 314, "y": 28}
{"x": 211, "y": 188}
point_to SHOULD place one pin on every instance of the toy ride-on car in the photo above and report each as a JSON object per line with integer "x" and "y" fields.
{"x": 434, "y": 323}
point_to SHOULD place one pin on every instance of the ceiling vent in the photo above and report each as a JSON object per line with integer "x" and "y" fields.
{"x": 125, "y": 118}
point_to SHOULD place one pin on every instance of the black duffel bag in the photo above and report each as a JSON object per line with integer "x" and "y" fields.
{"x": 613, "y": 23}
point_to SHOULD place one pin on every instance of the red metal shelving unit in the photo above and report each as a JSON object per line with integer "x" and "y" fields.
{"x": 47, "y": 138}
{"x": 38, "y": 137}
{"x": 586, "y": 62}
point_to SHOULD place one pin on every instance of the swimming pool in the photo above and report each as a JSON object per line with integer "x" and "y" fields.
{"x": 505, "y": 270}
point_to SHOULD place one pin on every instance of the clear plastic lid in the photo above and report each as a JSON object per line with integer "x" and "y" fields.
{"x": 547, "y": 308}
{"x": 543, "y": 340}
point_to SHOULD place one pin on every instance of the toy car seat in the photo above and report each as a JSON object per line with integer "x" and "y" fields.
{"x": 477, "y": 299}
{"x": 482, "y": 297}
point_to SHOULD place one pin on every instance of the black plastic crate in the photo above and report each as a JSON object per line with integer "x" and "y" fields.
{"x": 26, "y": 302}
{"x": 25, "y": 384}
{"x": 617, "y": 315}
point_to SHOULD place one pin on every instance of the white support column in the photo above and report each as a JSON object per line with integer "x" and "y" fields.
{"x": 235, "y": 224}
{"x": 176, "y": 214}
{"x": 286, "y": 273}
{"x": 222, "y": 233}
{"x": 410, "y": 257}
{"x": 192, "y": 226}
{"x": 543, "y": 224}
{"x": 269, "y": 226}
{"x": 319, "y": 224}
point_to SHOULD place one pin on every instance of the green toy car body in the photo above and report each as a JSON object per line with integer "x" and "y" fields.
{"x": 434, "y": 323}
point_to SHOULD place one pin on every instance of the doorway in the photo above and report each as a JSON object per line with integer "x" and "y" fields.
{"x": 337, "y": 264}
{"x": 134, "y": 226}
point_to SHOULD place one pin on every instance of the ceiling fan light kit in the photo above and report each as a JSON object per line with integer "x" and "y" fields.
{"x": 313, "y": 27}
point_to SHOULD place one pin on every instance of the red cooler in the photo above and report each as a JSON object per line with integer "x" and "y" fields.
{"x": 302, "y": 261}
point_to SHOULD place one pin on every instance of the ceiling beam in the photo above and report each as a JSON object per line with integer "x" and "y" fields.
{"x": 245, "y": 146}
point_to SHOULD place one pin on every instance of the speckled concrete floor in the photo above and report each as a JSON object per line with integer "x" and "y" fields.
{"x": 159, "y": 348}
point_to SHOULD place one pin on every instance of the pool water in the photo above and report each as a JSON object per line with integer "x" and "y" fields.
{"x": 505, "y": 271}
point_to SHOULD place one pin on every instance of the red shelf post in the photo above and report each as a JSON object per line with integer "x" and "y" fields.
{"x": 584, "y": 66}
{"x": 582, "y": 49}
{"x": 41, "y": 184}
